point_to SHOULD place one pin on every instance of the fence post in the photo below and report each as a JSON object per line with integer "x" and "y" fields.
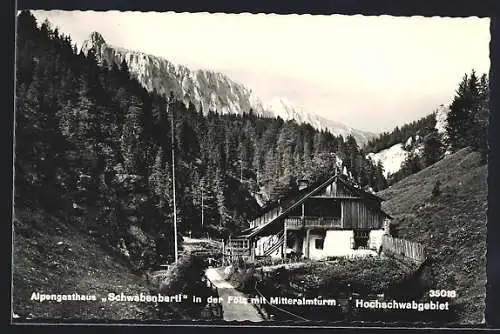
{"x": 349, "y": 302}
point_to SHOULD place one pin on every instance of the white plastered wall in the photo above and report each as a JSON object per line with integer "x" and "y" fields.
{"x": 338, "y": 243}
{"x": 375, "y": 239}
{"x": 314, "y": 254}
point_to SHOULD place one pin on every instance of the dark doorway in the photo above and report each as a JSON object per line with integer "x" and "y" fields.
{"x": 318, "y": 243}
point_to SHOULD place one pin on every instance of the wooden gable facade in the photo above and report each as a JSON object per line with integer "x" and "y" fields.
{"x": 328, "y": 218}
{"x": 353, "y": 207}
{"x": 334, "y": 204}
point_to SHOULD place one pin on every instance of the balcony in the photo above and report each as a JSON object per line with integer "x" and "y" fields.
{"x": 295, "y": 223}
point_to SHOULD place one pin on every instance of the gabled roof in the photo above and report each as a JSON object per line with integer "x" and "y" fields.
{"x": 360, "y": 192}
{"x": 293, "y": 206}
{"x": 291, "y": 198}
{"x": 305, "y": 194}
{"x": 288, "y": 199}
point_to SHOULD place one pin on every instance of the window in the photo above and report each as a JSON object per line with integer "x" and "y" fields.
{"x": 361, "y": 238}
{"x": 318, "y": 243}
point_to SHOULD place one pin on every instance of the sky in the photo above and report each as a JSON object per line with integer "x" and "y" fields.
{"x": 369, "y": 72}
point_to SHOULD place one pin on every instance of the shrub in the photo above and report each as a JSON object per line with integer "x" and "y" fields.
{"x": 184, "y": 274}
{"x": 436, "y": 191}
{"x": 186, "y": 277}
{"x": 244, "y": 280}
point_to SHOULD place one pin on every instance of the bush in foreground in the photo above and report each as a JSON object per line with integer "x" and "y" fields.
{"x": 186, "y": 277}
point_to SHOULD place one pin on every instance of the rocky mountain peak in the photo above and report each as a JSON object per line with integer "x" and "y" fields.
{"x": 209, "y": 89}
{"x": 97, "y": 39}
{"x": 95, "y": 42}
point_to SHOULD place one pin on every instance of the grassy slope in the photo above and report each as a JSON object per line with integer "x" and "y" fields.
{"x": 452, "y": 226}
{"x": 52, "y": 257}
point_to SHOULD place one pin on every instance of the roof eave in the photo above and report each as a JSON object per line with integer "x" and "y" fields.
{"x": 287, "y": 210}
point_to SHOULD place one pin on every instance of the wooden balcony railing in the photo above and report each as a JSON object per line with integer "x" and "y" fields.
{"x": 320, "y": 222}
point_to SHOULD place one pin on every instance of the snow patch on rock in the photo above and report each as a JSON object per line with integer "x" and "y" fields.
{"x": 441, "y": 119}
{"x": 288, "y": 110}
{"x": 391, "y": 158}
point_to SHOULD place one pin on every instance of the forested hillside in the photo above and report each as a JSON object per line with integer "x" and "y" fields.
{"x": 92, "y": 143}
{"x": 421, "y": 127}
{"x": 207, "y": 89}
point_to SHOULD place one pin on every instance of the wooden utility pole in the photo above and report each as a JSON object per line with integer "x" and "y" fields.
{"x": 241, "y": 171}
{"x": 223, "y": 251}
{"x": 284, "y": 240}
{"x": 202, "y": 208}
{"x": 173, "y": 179}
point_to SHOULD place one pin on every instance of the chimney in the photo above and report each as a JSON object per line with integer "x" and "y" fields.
{"x": 302, "y": 184}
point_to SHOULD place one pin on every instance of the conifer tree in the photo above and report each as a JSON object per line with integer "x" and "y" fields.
{"x": 380, "y": 181}
{"x": 468, "y": 116}
{"x": 433, "y": 148}
{"x": 118, "y": 134}
{"x": 132, "y": 135}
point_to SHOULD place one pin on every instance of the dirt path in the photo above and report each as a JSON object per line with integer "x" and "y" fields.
{"x": 232, "y": 311}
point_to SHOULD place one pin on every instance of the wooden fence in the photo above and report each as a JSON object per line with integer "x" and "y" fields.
{"x": 405, "y": 248}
